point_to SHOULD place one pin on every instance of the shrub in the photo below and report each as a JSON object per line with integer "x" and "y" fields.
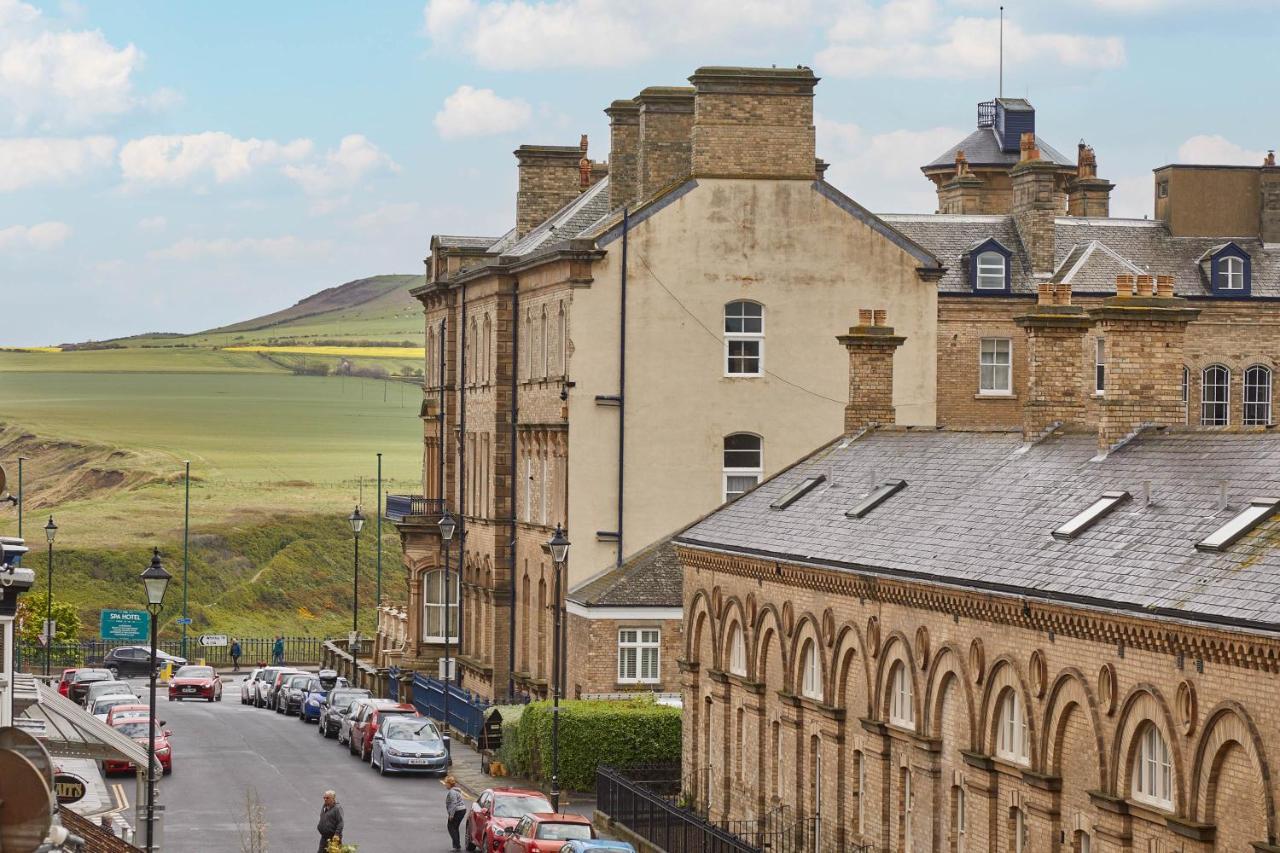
{"x": 592, "y": 732}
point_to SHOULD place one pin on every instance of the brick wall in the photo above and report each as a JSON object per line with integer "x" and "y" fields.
{"x": 754, "y": 122}
{"x": 549, "y": 178}
{"x": 593, "y": 665}
{"x": 624, "y": 152}
{"x": 1035, "y": 204}
{"x": 665, "y": 125}
{"x": 871, "y": 345}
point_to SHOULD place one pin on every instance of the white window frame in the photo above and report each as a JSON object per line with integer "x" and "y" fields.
{"x": 1012, "y": 738}
{"x": 746, "y": 338}
{"x": 1231, "y": 269}
{"x": 1100, "y": 367}
{"x": 1153, "y": 769}
{"x": 727, "y": 471}
{"x": 1225, "y": 402}
{"x": 902, "y": 704}
{"x": 1186, "y": 394}
{"x": 546, "y": 492}
{"x": 640, "y": 654}
{"x": 1019, "y": 831}
{"x": 528, "y": 488}
{"x": 737, "y": 651}
{"x": 1257, "y": 412}
{"x": 433, "y": 595}
{"x": 988, "y": 359}
{"x": 993, "y": 272}
{"x": 811, "y": 686}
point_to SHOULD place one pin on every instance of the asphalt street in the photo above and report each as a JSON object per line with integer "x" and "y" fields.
{"x": 224, "y": 750}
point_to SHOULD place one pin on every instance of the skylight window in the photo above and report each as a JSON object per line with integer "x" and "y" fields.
{"x": 1258, "y": 510}
{"x": 797, "y": 492}
{"x": 1084, "y": 520}
{"x": 878, "y": 495}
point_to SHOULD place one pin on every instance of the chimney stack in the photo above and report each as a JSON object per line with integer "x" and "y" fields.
{"x": 1269, "y": 200}
{"x": 666, "y": 121}
{"x": 753, "y": 122}
{"x": 963, "y": 193}
{"x": 871, "y": 345}
{"x": 1055, "y": 382}
{"x": 624, "y": 149}
{"x": 1143, "y": 328}
{"x": 550, "y": 177}
{"x": 1087, "y": 194}
{"x": 1035, "y": 205}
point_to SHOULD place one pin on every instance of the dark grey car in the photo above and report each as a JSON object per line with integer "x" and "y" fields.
{"x": 336, "y": 708}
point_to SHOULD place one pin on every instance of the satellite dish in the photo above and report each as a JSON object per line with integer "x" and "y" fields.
{"x": 25, "y": 744}
{"x": 26, "y": 805}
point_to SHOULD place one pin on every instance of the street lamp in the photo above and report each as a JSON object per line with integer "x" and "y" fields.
{"x": 447, "y": 525}
{"x": 50, "y": 530}
{"x": 559, "y": 546}
{"x": 356, "y": 519}
{"x": 155, "y": 580}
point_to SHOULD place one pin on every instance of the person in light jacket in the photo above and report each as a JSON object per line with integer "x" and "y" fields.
{"x": 455, "y": 808}
{"x": 330, "y": 825}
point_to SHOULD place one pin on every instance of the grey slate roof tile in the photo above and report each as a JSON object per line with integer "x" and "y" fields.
{"x": 982, "y": 148}
{"x": 652, "y": 577}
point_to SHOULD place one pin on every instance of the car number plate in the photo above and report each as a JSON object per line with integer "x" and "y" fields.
{"x": 419, "y": 761}
{"x": 188, "y": 690}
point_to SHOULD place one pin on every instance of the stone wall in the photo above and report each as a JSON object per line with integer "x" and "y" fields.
{"x": 593, "y": 666}
{"x": 754, "y": 122}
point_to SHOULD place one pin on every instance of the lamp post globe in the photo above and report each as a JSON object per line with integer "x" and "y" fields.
{"x": 155, "y": 580}
{"x": 50, "y": 531}
{"x": 559, "y": 548}
{"x": 356, "y": 520}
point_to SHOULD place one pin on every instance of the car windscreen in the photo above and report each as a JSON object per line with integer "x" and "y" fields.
{"x": 106, "y": 703}
{"x": 134, "y": 728}
{"x": 83, "y": 675}
{"x": 312, "y": 686}
{"x": 418, "y": 731}
{"x": 345, "y": 699}
{"x": 508, "y": 806}
{"x": 299, "y": 681}
{"x": 194, "y": 672}
{"x": 563, "y": 831}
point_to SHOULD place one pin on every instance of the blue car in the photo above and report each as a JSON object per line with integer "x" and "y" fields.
{"x": 597, "y": 845}
{"x": 317, "y": 690}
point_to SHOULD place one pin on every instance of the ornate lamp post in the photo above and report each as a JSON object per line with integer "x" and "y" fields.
{"x": 50, "y": 530}
{"x": 155, "y": 580}
{"x": 447, "y": 525}
{"x": 559, "y": 546}
{"x": 356, "y": 520}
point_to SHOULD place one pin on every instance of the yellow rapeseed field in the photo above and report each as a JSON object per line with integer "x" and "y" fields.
{"x": 30, "y": 349}
{"x": 354, "y": 352}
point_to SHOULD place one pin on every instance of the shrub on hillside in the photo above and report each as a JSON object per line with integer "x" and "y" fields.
{"x": 592, "y": 732}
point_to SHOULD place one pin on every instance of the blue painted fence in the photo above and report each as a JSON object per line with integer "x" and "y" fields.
{"x": 466, "y": 710}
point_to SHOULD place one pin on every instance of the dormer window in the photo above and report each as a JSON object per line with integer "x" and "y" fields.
{"x": 1231, "y": 273}
{"x": 991, "y": 271}
{"x": 1230, "y": 270}
{"x": 989, "y": 267}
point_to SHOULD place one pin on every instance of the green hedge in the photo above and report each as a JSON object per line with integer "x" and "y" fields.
{"x": 592, "y": 732}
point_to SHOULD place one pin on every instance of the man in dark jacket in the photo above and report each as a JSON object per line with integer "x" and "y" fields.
{"x": 235, "y": 655}
{"x": 330, "y": 825}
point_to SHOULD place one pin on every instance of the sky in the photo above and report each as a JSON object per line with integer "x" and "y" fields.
{"x": 176, "y": 166}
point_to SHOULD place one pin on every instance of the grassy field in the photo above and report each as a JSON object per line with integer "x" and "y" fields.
{"x": 403, "y": 353}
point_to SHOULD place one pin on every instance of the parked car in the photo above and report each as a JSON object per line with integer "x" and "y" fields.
{"x": 121, "y": 713}
{"x": 293, "y": 692}
{"x": 336, "y": 707}
{"x": 102, "y": 706}
{"x": 135, "y": 661}
{"x": 82, "y": 679}
{"x": 597, "y": 845}
{"x": 362, "y": 730}
{"x": 361, "y": 708}
{"x": 406, "y": 744}
{"x": 318, "y": 690}
{"x": 106, "y": 688}
{"x": 281, "y": 680}
{"x": 546, "y": 832}
{"x": 249, "y": 686}
{"x": 196, "y": 682}
{"x": 139, "y": 730}
{"x": 65, "y": 681}
{"x": 263, "y": 685}
{"x": 495, "y": 810}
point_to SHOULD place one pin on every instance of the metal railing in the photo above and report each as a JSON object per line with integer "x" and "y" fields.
{"x": 298, "y": 651}
{"x": 466, "y": 710}
{"x": 655, "y": 818}
{"x": 400, "y": 507}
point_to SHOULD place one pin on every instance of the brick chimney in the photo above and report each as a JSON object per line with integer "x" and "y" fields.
{"x": 1143, "y": 328}
{"x": 1269, "y": 200}
{"x": 624, "y": 148}
{"x": 1055, "y": 382}
{"x": 871, "y": 345}
{"x": 666, "y": 120}
{"x": 549, "y": 179}
{"x": 1035, "y": 205}
{"x": 1087, "y": 194}
{"x": 963, "y": 193}
{"x": 753, "y": 122}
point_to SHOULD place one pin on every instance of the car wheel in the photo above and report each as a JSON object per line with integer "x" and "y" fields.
{"x": 114, "y": 670}
{"x": 168, "y": 771}
{"x": 365, "y": 755}
{"x": 382, "y": 767}
{"x": 471, "y": 845}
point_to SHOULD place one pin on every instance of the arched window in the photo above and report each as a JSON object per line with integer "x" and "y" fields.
{"x": 473, "y": 349}
{"x": 1153, "y": 769}
{"x": 743, "y": 338}
{"x": 902, "y": 705}
{"x": 439, "y": 603}
{"x": 1018, "y": 821}
{"x": 1257, "y": 396}
{"x": 529, "y": 346}
{"x": 958, "y": 819}
{"x": 1186, "y": 394}
{"x": 737, "y": 651}
{"x": 743, "y": 463}
{"x": 486, "y": 369}
{"x": 1230, "y": 273}
{"x": 562, "y": 339}
{"x": 860, "y": 771}
{"x": 990, "y": 271}
{"x": 1011, "y": 740}
{"x": 543, "y": 343}
{"x": 1215, "y": 395}
{"x": 811, "y": 671}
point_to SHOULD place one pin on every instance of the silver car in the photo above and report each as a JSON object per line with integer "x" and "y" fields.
{"x": 408, "y": 745}
{"x": 249, "y": 687}
{"x": 107, "y": 688}
{"x": 103, "y": 704}
{"x": 357, "y": 708}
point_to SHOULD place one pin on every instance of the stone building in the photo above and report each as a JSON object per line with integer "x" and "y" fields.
{"x": 1059, "y": 636}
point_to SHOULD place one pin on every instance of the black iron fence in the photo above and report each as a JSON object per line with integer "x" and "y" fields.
{"x": 656, "y": 818}
{"x": 299, "y": 651}
{"x": 400, "y": 507}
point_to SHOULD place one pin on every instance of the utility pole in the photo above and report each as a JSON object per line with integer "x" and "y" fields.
{"x": 186, "y": 538}
{"x": 378, "y": 599}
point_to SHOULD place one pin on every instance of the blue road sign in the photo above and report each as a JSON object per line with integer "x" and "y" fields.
{"x": 128, "y": 625}
{"x": 185, "y": 620}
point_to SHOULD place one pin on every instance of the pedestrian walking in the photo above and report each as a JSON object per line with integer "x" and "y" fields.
{"x": 235, "y": 655}
{"x": 455, "y": 808}
{"x": 330, "y": 825}
{"x": 277, "y": 652}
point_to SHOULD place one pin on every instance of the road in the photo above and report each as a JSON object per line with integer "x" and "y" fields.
{"x": 224, "y": 750}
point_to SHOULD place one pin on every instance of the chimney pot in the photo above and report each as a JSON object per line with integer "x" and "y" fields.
{"x": 584, "y": 173}
{"x": 1028, "y": 146}
{"x": 1164, "y": 286}
{"x": 866, "y": 317}
{"x": 879, "y": 316}
{"x": 582, "y": 144}
{"x": 1125, "y": 284}
{"x": 1146, "y": 285}
{"x": 871, "y": 345}
{"x": 1271, "y": 158}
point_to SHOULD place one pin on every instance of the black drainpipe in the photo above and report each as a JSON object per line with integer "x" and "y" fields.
{"x": 462, "y": 453}
{"x": 622, "y": 381}
{"x": 440, "y": 490}
{"x": 515, "y": 420}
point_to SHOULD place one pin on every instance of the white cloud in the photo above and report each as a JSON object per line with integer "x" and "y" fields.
{"x": 882, "y": 170}
{"x": 273, "y": 248}
{"x": 53, "y": 77}
{"x": 179, "y": 160}
{"x": 153, "y": 223}
{"x": 915, "y": 38}
{"x": 41, "y": 237}
{"x": 343, "y": 168}
{"x": 480, "y": 112}
{"x": 388, "y": 216}
{"x": 520, "y": 34}
{"x": 32, "y": 161}
{"x": 1212, "y": 149}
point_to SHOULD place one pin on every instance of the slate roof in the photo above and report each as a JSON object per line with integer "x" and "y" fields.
{"x": 451, "y": 241}
{"x": 651, "y": 578}
{"x": 978, "y": 510}
{"x": 567, "y": 223}
{"x": 982, "y": 148}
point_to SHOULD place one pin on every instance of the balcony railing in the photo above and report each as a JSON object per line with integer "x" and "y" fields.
{"x": 400, "y": 507}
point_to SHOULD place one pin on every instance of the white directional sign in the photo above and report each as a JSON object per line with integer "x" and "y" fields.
{"x": 213, "y": 639}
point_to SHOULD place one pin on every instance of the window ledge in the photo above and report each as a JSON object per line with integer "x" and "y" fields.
{"x": 1002, "y": 395}
{"x": 743, "y": 375}
{"x": 636, "y": 681}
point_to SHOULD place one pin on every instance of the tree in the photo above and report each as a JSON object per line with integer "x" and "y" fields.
{"x": 31, "y": 613}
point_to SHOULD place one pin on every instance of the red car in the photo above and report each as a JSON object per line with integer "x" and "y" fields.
{"x": 120, "y": 713}
{"x": 366, "y": 726}
{"x": 495, "y": 810}
{"x": 65, "y": 682}
{"x": 196, "y": 682}
{"x": 138, "y": 730}
{"x": 546, "y": 832}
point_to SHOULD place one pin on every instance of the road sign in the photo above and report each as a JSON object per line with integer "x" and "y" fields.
{"x": 128, "y": 625}
{"x": 213, "y": 639}
{"x": 184, "y": 620}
